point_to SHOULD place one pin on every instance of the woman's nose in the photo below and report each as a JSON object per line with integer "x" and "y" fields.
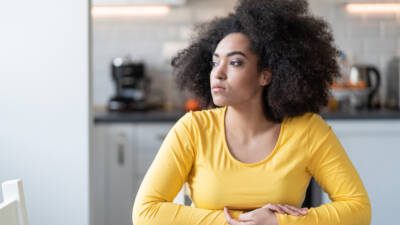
{"x": 219, "y": 71}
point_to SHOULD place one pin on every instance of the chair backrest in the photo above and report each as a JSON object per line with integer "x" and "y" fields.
{"x": 12, "y": 209}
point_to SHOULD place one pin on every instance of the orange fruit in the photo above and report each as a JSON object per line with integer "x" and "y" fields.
{"x": 192, "y": 105}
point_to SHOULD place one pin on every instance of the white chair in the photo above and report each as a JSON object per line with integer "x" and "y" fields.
{"x": 12, "y": 209}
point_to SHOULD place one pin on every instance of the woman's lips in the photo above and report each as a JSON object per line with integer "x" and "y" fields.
{"x": 218, "y": 89}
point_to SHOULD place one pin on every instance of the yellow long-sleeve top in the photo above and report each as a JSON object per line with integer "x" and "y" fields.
{"x": 195, "y": 151}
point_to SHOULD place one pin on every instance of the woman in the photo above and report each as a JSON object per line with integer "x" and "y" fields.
{"x": 264, "y": 71}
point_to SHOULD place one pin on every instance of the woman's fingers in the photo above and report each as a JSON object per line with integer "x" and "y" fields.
{"x": 246, "y": 216}
{"x": 235, "y": 222}
{"x": 302, "y": 211}
{"x": 289, "y": 210}
{"x": 232, "y": 221}
{"x": 274, "y": 208}
{"x": 292, "y": 210}
{"x": 286, "y": 209}
{"x": 227, "y": 215}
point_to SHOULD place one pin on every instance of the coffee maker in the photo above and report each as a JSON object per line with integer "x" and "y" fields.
{"x": 131, "y": 85}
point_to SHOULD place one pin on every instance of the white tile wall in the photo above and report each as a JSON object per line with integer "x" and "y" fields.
{"x": 370, "y": 39}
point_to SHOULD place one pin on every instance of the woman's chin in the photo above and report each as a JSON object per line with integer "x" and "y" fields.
{"x": 219, "y": 102}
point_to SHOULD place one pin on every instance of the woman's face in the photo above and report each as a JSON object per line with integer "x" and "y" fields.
{"x": 235, "y": 78}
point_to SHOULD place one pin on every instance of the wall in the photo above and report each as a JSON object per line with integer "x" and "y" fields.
{"x": 366, "y": 39}
{"x": 44, "y": 98}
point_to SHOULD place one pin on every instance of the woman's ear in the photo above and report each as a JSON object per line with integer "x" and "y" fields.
{"x": 265, "y": 78}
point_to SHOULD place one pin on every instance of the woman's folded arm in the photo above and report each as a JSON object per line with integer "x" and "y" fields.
{"x": 335, "y": 173}
{"x": 165, "y": 177}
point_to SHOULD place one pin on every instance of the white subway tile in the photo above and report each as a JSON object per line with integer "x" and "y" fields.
{"x": 367, "y": 58}
{"x": 372, "y": 16}
{"x": 361, "y": 30}
{"x": 398, "y": 47}
{"x": 379, "y": 45}
{"x": 350, "y": 44}
{"x": 391, "y": 28}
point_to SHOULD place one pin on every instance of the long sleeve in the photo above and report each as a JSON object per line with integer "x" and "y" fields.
{"x": 164, "y": 179}
{"x": 335, "y": 173}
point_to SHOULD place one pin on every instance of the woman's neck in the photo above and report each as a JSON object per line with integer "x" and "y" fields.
{"x": 247, "y": 120}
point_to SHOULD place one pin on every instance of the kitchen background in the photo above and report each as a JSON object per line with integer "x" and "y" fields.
{"x": 365, "y": 38}
{"x": 83, "y": 167}
{"x": 125, "y": 143}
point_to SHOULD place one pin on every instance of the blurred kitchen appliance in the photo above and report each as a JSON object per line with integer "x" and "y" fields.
{"x": 357, "y": 88}
{"x": 368, "y": 79}
{"x": 393, "y": 84}
{"x": 131, "y": 85}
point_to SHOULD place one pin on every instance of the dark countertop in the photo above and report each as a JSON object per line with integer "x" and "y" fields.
{"x": 383, "y": 114}
{"x": 133, "y": 117}
{"x": 172, "y": 116}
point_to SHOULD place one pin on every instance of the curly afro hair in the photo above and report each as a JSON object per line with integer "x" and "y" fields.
{"x": 297, "y": 47}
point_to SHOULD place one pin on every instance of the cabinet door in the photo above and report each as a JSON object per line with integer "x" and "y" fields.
{"x": 120, "y": 182}
{"x": 150, "y": 137}
{"x": 373, "y": 147}
{"x": 98, "y": 175}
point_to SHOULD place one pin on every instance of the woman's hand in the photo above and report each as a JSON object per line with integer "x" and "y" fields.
{"x": 260, "y": 216}
{"x": 286, "y": 209}
{"x": 264, "y": 215}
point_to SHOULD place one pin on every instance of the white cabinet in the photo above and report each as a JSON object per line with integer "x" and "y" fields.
{"x": 150, "y": 137}
{"x": 123, "y": 153}
{"x": 120, "y": 181}
{"x": 97, "y": 176}
{"x": 113, "y": 178}
{"x": 374, "y": 148}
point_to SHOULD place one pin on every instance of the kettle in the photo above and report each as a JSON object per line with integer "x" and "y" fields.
{"x": 368, "y": 79}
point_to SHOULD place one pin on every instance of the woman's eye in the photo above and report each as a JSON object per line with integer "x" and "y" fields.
{"x": 214, "y": 63}
{"x": 236, "y": 63}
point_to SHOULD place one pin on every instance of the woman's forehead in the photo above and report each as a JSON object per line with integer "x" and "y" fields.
{"x": 233, "y": 42}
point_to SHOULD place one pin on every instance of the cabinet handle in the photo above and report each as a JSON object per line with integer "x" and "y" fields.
{"x": 120, "y": 154}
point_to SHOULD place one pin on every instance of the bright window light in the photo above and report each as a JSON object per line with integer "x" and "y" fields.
{"x": 373, "y": 8}
{"x": 128, "y": 11}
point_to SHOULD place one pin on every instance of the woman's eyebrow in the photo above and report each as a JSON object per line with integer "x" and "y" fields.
{"x": 232, "y": 53}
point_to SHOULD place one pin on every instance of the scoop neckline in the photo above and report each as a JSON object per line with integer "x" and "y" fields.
{"x": 262, "y": 161}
